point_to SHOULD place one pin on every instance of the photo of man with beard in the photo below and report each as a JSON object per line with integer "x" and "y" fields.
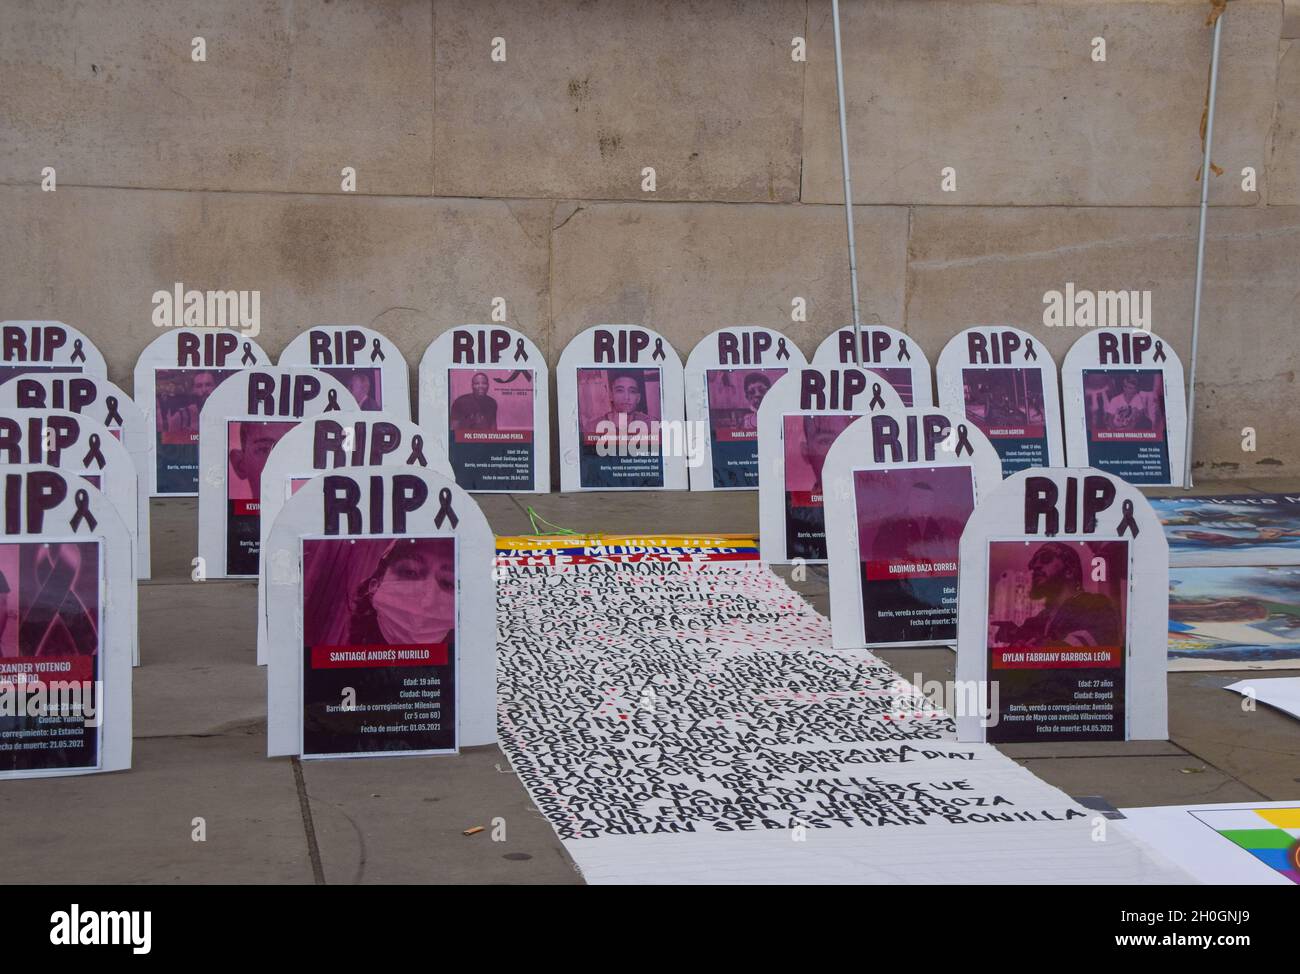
{"x": 1070, "y": 616}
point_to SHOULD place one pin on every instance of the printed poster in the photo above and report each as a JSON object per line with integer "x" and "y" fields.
{"x": 1241, "y": 529}
{"x": 1124, "y": 414}
{"x": 248, "y": 444}
{"x": 490, "y": 428}
{"x": 179, "y": 395}
{"x": 619, "y": 412}
{"x": 1007, "y": 406}
{"x": 910, "y": 522}
{"x": 734, "y": 398}
{"x": 379, "y": 645}
{"x": 365, "y": 384}
{"x": 1057, "y": 624}
{"x": 1242, "y": 616}
{"x": 50, "y": 623}
{"x": 807, "y": 439}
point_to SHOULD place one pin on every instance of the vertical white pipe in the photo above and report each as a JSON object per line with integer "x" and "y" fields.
{"x": 848, "y": 187}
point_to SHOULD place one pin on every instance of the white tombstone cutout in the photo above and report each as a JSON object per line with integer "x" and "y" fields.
{"x": 328, "y": 442}
{"x": 1005, "y": 383}
{"x": 101, "y": 400}
{"x": 1125, "y": 405}
{"x": 1063, "y": 612}
{"x": 888, "y": 352}
{"x": 240, "y": 423}
{"x": 381, "y": 605}
{"x": 899, "y": 488}
{"x": 367, "y": 363}
{"x": 174, "y": 376}
{"x": 46, "y": 346}
{"x": 485, "y": 401}
{"x": 68, "y": 629}
{"x": 620, "y": 411}
{"x": 727, "y": 375}
{"x": 799, "y": 420}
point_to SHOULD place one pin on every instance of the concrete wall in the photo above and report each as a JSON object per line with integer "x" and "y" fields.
{"x": 522, "y": 179}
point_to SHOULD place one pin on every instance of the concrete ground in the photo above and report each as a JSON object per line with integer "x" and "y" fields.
{"x": 200, "y": 746}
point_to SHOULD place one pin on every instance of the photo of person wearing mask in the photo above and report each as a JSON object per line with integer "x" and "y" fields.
{"x": 409, "y": 599}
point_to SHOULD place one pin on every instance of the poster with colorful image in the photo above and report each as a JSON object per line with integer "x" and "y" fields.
{"x": 734, "y": 396}
{"x": 1007, "y": 406}
{"x": 1124, "y": 413}
{"x": 909, "y": 527}
{"x": 365, "y": 384}
{"x": 50, "y": 624}
{"x": 179, "y": 395}
{"x": 379, "y": 646}
{"x": 619, "y": 412}
{"x": 248, "y": 444}
{"x": 1234, "y": 618}
{"x": 1057, "y": 629}
{"x": 1231, "y": 529}
{"x": 490, "y": 428}
{"x": 1269, "y": 834}
{"x": 806, "y": 441}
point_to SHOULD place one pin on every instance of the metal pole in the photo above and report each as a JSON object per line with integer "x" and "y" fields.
{"x": 1200, "y": 255}
{"x": 848, "y": 187}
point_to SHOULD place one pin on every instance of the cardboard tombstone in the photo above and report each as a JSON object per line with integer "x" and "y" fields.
{"x": 46, "y": 346}
{"x": 67, "y": 632}
{"x": 367, "y": 363}
{"x": 797, "y": 423}
{"x": 1005, "y": 384}
{"x": 485, "y": 401}
{"x": 1063, "y": 616}
{"x": 241, "y": 421}
{"x": 333, "y": 441}
{"x": 727, "y": 375}
{"x": 1125, "y": 405}
{"x": 887, "y": 352}
{"x": 899, "y": 489}
{"x": 174, "y": 376}
{"x": 98, "y": 399}
{"x": 620, "y": 411}
{"x": 381, "y": 609}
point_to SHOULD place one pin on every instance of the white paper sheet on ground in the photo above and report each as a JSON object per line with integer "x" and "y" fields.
{"x": 1125, "y": 406}
{"x": 383, "y": 503}
{"x": 47, "y": 346}
{"x": 1006, "y": 384}
{"x": 100, "y": 400}
{"x": 330, "y": 442}
{"x": 484, "y": 397}
{"x": 174, "y": 376}
{"x": 899, "y": 488}
{"x": 46, "y": 509}
{"x": 620, "y": 405}
{"x": 687, "y": 721}
{"x": 728, "y": 374}
{"x": 1064, "y": 597}
{"x": 367, "y": 364}
{"x": 1282, "y": 693}
{"x": 798, "y": 421}
{"x": 1192, "y": 836}
{"x": 888, "y": 352}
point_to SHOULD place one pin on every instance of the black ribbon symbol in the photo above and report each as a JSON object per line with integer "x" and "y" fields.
{"x": 1029, "y": 350}
{"x": 113, "y": 415}
{"x": 444, "y": 509}
{"x": 1160, "y": 351}
{"x": 376, "y": 352}
{"x": 82, "y": 500}
{"x": 512, "y": 376}
{"x": 78, "y": 353}
{"x": 659, "y": 349}
{"x": 876, "y": 397}
{"x": 781, "y": 351}
{"x": 1127, "y": 523}
{"x": 58, "y": 622}
{"x": 417, "y": 454}
{"x": 962, "y": 441}
{"x": 520, "y": 351}
{"x": 903, "y": 352}
{"x": 249, "y": 358}
{"x": 333, "y": 404}
{"x": 93, "y": 453}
